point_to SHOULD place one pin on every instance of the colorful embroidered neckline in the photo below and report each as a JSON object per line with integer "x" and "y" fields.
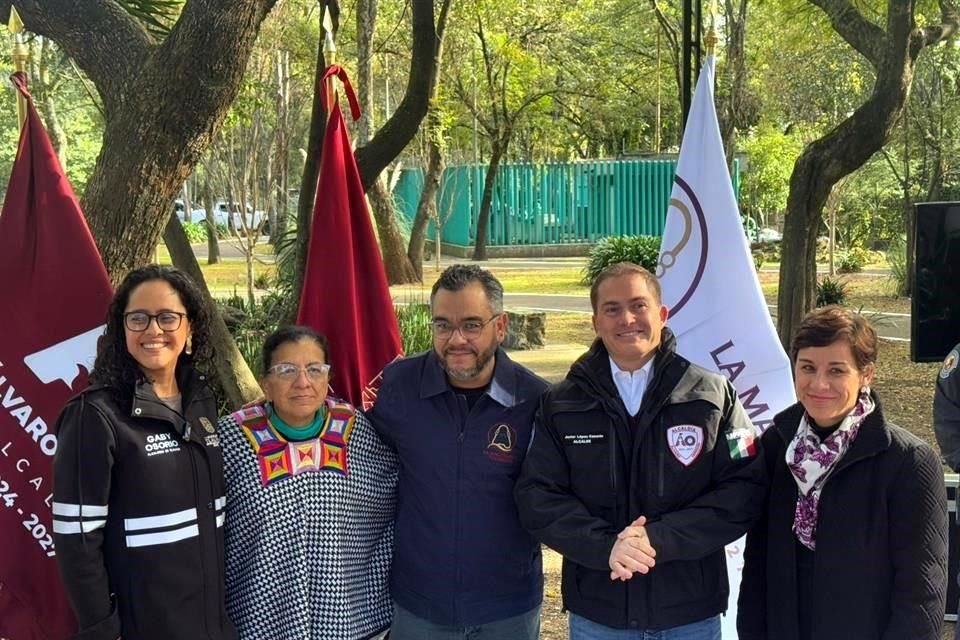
{"x": 278, "y": 458}
{"x": 298, "y": 434}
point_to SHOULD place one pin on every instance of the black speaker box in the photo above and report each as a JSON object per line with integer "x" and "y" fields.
{"x": 935, "y": 313}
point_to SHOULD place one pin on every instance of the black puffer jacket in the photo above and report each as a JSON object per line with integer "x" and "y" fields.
{"x": 592, "y": 470}
{"x": 879, "y": 570}
{"x": 138, "y": 515}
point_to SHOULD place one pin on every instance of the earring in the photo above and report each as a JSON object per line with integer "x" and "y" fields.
{"x": 189, "y": 348}
{"x": 865, "y": 390}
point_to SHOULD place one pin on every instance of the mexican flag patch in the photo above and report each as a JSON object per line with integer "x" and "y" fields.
{"x": 742, "y": 443}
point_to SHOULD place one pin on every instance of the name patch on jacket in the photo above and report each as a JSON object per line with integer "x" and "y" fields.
{"x": 161, "y": 443}
{"x": 685, "y": 442}
{"x": 582, "y": 438}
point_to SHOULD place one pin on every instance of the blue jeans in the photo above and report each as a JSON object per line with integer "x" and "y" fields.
{"x": 583, "y": 629}
{"x": 407, "y": 626}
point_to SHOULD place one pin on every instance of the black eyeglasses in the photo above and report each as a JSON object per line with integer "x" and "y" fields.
{"x": 139, "y": 320}
{"x": 469, "y": 329}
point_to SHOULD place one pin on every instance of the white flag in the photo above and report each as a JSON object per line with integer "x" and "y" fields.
{"x": 710, "y": 286}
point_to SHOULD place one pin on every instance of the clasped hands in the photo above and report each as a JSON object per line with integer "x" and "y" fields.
{"x": 632, "y": 552}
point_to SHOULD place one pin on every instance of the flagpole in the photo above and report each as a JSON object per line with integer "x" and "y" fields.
{"x": 330, "y": 56}
{"x": 710, "y": 40}
{"x": 20, "y": 55}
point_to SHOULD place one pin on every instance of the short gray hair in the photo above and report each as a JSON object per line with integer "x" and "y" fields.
{"x": 457, "y": 276}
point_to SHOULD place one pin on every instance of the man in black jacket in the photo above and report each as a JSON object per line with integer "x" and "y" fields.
{"x": 946, "y": 416}
{"x": 642, "y": 467}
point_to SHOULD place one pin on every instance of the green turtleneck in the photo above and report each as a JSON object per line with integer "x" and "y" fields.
{"x": 297, "y": 433}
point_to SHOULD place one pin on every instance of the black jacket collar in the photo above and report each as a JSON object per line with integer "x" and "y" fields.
{"x": 592, "y": 369}
{"x": 193, "y": 390}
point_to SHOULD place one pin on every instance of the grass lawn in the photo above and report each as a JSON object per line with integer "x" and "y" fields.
{"x": 515, "y": 280}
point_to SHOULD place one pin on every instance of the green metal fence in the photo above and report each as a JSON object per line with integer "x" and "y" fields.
{"x": 550, "y": 203}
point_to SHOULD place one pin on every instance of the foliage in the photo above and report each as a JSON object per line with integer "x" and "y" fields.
{"x": 831, "y": 291}
{"x": 251, "y": 323}
{"x": 641, "y": 250}
{"x": 852, "y": 260}
{"x": 897, "y": 259}
{"x": 196, "y": 231}
{"x": 770, "y": 154}
{"x": 416, "y": 334}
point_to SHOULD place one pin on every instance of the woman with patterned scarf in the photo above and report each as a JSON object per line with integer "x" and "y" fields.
{"x": 311, "y": 492}
{"x": 853, "y": 544}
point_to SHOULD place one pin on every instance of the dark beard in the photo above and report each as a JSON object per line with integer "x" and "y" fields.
{"x": 483, "y": 357}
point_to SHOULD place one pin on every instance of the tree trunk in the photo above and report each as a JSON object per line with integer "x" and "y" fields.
{"x": 41, "y": 60}
{"x": 732, "y": 117}
{"x": 311, "y": 164}
{"x": 209, "y": 202}
{"x": 497, "y": 150}
{"x": 236, "y": 380}
{"x": 850, "y": 144}
{"x": 398, "y": 267}
{"x": 427, "y": 206}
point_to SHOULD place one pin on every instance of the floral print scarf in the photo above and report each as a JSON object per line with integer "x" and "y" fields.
{"x": 811, "y": 461}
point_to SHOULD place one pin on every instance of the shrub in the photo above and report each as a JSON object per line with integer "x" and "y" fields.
{"x": 641, "y": 250}
{"x": 852, "y": 260}
{"x": 897, "y": 259}
{"x": 831, "y": 291}
{"x": 416, "y": 334}
{"x": 196, "y": 231}
{"x": 262, "y": 280}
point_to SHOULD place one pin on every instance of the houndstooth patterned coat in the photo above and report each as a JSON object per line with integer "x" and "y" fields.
{"x": 309, "y": 528}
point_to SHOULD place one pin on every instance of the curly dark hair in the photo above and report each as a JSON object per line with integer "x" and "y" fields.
{"x": 115, "y": 368}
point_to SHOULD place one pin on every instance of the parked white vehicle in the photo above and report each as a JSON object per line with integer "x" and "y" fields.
{"x": 221, "y": 214}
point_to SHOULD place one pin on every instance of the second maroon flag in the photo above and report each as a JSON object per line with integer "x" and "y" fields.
{"x": 56, "y": 291}
{"x": 345, "y": 294}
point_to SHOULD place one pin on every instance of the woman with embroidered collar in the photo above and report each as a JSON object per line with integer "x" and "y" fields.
{"x": 853, "y": 543}
{"x": 311, "y": 492}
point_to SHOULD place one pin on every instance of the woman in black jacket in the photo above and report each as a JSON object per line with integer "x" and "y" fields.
{"x": 138, "y": 475}
{"x": 853, "y": 544}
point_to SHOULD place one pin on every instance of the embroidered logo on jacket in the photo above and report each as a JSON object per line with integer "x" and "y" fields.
{"x": 500, "y": 439}
{"x": 949, "y": 364}
{"x": 685, "y": 442}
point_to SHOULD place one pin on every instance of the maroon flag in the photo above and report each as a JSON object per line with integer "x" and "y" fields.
{"x": 345, "y": 294}
{"x": 56, "y": 293}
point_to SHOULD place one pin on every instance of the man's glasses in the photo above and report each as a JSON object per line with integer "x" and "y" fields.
{"x": 469, "y": 329}
{"x": 287, "y": 371}
{"x": 139, "y": 320}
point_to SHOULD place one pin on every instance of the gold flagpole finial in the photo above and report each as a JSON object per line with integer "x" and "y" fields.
{"x": 710, "y": 40}
{"x": 20, "y": 55}
{"x": 329, "y": 46}
{"x": 330, "y": 55}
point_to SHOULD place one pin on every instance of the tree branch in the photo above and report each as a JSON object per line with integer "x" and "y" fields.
{"x": 864, "y": 36}
{"x": 105, "y": 41}
{"x": 396, "y": 132}
{"x": 949, "y": 23}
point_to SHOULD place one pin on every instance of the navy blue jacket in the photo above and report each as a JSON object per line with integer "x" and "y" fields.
{"x": 461, "y": 556}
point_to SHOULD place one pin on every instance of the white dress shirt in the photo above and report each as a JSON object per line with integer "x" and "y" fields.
{"x": 631, "y": 385}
